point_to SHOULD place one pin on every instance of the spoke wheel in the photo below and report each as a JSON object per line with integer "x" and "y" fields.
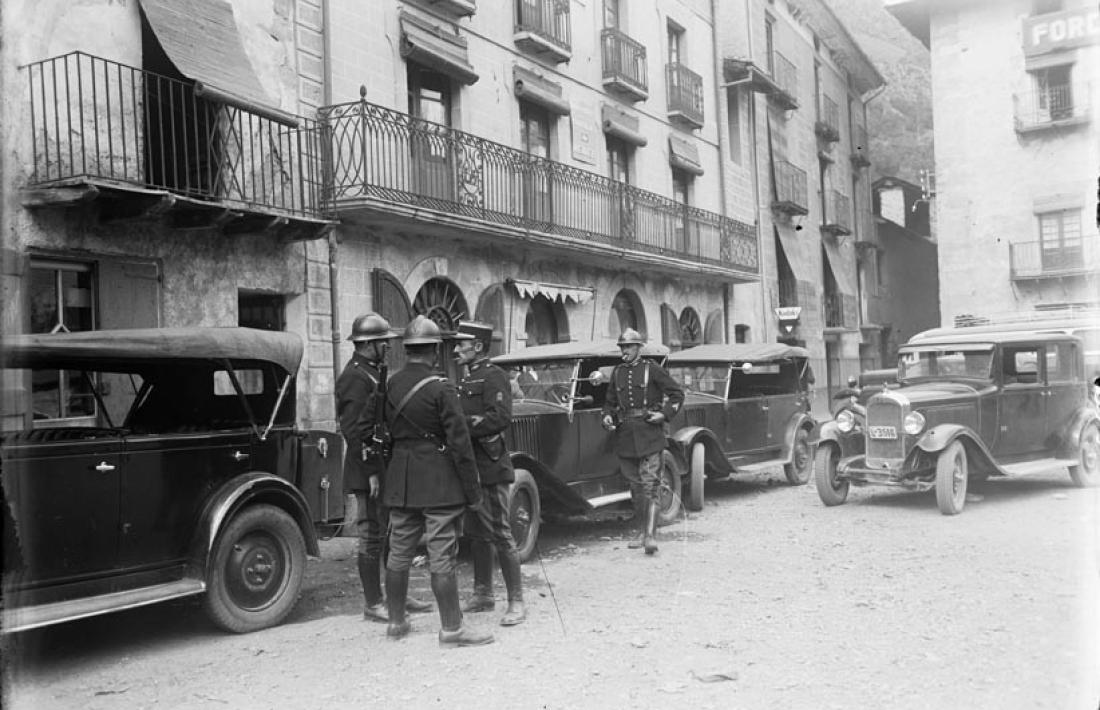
{"x": 668, "y": 506}
{"x": 799, "y": 469}
{"x": 830, "y": 490}
{"x": 951, "y": 479}
{"x": 256, "y": 571}
{"x": 524, "y": 513}
{"x": 1087, "y": 471}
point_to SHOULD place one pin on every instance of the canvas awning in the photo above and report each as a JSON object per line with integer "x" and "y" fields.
{"x": 529, "y": 86}
{"x": 620, "y": 124}
{"x": 683, "y": 154}
{"x": 835, "y": 261}
{"x": 554, "y": 292}
{"x": 436, "y": 47}
{"x": 200, "y": 38}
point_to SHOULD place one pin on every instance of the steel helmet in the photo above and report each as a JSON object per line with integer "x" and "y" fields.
{"x": 371, "y": 326}
{"x": 631, "y": 337}
{"x": 422, "y": 331}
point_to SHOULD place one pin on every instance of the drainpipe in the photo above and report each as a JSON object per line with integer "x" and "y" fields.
{"x": 719, "y": 94}
{"x": 333, "y": 242}
{"x": 756, "y": 183}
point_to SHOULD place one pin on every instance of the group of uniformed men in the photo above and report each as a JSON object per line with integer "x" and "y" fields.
{"x": 440, "y": 465}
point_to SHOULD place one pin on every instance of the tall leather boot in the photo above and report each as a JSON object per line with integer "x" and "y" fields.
{"x": 649, "y": 540}
{"x": 454, "y": 633}
{"x": 513, "y": 581}
{"x": 638, "y": 501}
{"x": 370, "y": 570}
{"x": 397, "y": 588}
{"x": 482, "y": 599}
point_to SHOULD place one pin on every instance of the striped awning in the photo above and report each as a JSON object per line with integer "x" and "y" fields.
{"x": 554, "y": 292}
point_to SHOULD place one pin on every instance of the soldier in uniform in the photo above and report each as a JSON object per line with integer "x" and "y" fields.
{"x": 430, "y": 480}
{"x": 641, "y": 399}
{"x": 487, "y": 402}
{"x": 355, "y": 389}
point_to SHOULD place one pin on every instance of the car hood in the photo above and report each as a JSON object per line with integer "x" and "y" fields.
{"x": 694, "y": 399}
{"x": 932, "y": 392}
{"x": 534, "y": 406}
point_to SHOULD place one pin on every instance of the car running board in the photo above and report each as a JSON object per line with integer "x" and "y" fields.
{"x": 1027, "y": 468}
{"x": 759, "y": 467}
{"x": 600, "y": 501}
{"x": 31, "y": 617}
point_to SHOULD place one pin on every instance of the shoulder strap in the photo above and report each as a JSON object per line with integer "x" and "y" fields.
{"x": 408, "y": 396}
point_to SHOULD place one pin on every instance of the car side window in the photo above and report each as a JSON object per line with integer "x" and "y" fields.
{"x": 1021, "y": 365}
{"x": 1060, "y": 362}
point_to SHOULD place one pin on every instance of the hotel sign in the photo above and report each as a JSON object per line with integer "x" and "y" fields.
{"x": 1061, "y": 30}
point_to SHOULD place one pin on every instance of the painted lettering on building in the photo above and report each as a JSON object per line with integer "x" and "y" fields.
{"x": 1061, "y": 30}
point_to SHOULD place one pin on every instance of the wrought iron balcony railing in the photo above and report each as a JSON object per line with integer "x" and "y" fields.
{"x": 790, "y": 189}
{"x": 97, "y": 120}
{"x": 834, "y": 310}
{"x": 385, "y": 158}
{"x": 1039, "y": 260}
{"x": 542, "y": 27}
{"x": 838, "y": 217}
{"x": 785, "y": 75}
{"x": 624, "y": 64}
{"x": 685, "y": 94}
{"x": 1058, "y": 105}
{"x": 828, "y": 121}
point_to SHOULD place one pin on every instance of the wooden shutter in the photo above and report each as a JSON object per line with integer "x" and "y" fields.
{"x": 392, "y": 303}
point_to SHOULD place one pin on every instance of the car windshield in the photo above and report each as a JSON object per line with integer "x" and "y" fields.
{"x": 702, "y": 379}
{"x": 543, "y": 381}
{"x": 946, "y": 362}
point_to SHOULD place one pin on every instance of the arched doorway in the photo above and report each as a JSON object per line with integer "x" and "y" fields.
{"x": 670, "y": 327}
{"x": 691, "y": 329}
{"x": 626, "y": 312}
{"x": 714, "y": 332}
{"x": 545, "y": 322}
{"x": 490, "y": 309}
{"x": 441, "y": 300}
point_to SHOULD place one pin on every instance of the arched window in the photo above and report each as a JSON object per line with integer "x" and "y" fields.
{"x": 545, "y": 322}
{"x": 715, "y": 332}
{"x": 691, "y": 330}
{"x": 441, "y": 300}
{"x": 490, "y": 309}
{"x": 670, "y": 327}
{"x": 626, "y": 312}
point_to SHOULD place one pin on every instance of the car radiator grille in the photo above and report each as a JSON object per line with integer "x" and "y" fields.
{"x": 523, "y": 436}
{"x": 886, "y": 413}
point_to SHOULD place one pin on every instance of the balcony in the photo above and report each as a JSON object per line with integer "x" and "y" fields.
{"x": 624, "y": 66}
{"x": 827, "y": 126}
{"x": 542, "y": 29}
{"x": 458, "y": 8}
{"x": 1047, "y": 260}
{"x": 785, "y": 75}
{"x": 394, "y": 169}
{"x": 790, "y": 189}
{"x": 838, "y": 217}
{"x": 685, "y": 96}
{"x": 861, "y": 150}
{"x": 1059, "y": 106}
{"x": 147, "y": 146}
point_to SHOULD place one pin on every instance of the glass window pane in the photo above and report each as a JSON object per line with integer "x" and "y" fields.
{"x": 43, "y": 300}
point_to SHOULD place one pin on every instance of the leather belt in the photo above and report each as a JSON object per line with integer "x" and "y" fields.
{"x": 635, "y": 412}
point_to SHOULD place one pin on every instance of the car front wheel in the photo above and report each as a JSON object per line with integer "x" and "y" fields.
{"x": 524, "y": 513}
{"x": 1087, "y": 471}
{"x": 829, "y": 489}
{"x": 951, "y": 479}
{"x": 798, "y": 470}
{"x": 255, "y": 574}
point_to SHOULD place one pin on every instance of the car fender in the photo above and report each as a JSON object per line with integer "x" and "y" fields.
{"x": 684, "y": 439}
{"x": 827, "y": 431}
{"x": 553, "y": 492}
{"x": 1084, "y": 417}
{"x": 941, "y": 436}
{"x": 798, "y": 421}
{"x": 236, "y": 493}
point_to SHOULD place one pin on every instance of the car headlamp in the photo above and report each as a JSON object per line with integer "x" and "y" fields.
{"x": 845, "y": 422}
{"x": 914, "y": 423}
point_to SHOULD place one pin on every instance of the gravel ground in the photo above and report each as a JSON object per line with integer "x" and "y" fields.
{"x": 765, "y": 599}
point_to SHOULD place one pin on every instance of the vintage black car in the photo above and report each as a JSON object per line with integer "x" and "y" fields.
{"x": 564, "y": 459}
{"x": 154, "y": 464}
{"x": 975, "y": 405}
{"x": 746, "y": 408}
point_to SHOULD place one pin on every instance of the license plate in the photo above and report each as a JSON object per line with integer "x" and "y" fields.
{"x": 883, "y": 432}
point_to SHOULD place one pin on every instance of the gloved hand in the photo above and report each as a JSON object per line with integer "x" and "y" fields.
{"x": 608, "y": 422}
{"x": 655, "y": 417}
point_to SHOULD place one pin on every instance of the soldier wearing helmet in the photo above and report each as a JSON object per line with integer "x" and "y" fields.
{"x": 486, "y": 395}
{"x": 430, "y": 481}
{"x": 356, "y": 388}
{"x": 641, "y": 399}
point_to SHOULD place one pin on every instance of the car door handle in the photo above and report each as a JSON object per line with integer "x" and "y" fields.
{"x": 104, "y": 467}
{"x": 238, "y": 456}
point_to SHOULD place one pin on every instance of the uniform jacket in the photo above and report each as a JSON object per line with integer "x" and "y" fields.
{"x": 354, "y": 388}
{"x": 485, "y": 391}
{"x": 641, "y": 385}
{"x": 419, "y": 475}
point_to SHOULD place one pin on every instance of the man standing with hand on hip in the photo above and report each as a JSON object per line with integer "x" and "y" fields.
{"x": 641, "y": 399}
{"x": 486, "y": 396}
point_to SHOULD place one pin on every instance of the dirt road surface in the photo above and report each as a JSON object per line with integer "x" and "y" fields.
{"x": 765, "y": 599}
